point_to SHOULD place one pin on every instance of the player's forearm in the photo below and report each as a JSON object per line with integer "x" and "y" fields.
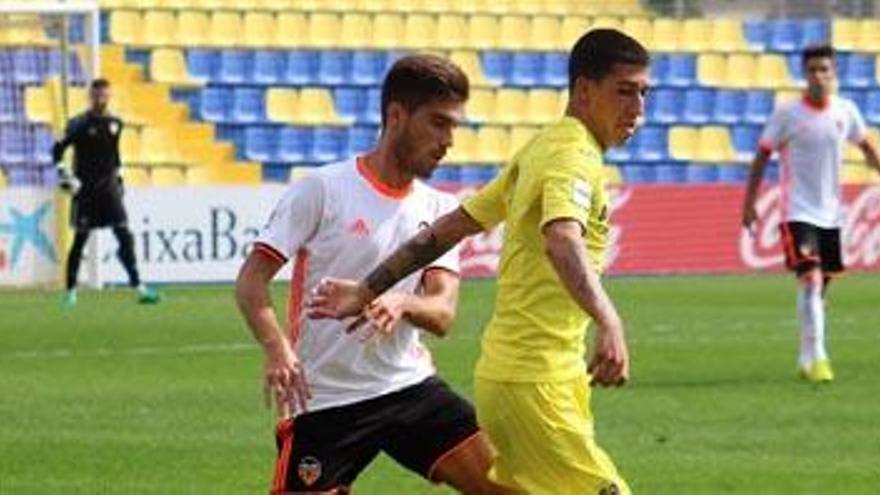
{"x": 255, "y": 305}
{"x": 427, "y": 246}
{"x": 756, "y": 175}
{"x": 434, "y": 313}
{"x": 871, "y": 157}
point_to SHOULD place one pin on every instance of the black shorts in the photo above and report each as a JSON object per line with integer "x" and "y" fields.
{"x": 326, "y": 450}
{"x": 808, "y": 247}
{"x": 99, "y": 207}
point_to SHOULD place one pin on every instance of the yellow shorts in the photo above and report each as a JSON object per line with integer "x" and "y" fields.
{"x": 544, "y": 436}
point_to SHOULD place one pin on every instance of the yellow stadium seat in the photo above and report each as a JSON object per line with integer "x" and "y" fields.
{"x": 786, "y": 95}
{"x": 712, "y": 69}
{"x": 510, "y": 105}
{"x": 168, "y": 65}
{"x": 573, "y": 27}
{"x": 2, "y": 179}
{"x": 291, "y": 29}
{"x": 493, "y": 145}
{"x": 520, "y": 136}
{"x": 167, "y": 176}
{"x": 281, "y": 104}
{"x": 126, "y": 27}
{"x": 855, "y": 173}
{"x": 160, "y": 28}
{"x": 727, "y": 35}
{"x": 542, "y": 106}
{"x": 482, "y": 31}
{"x": 192, "y": 28}
{"x": 481, "y": 105}
{"x": 613, "y": 177}
{"x": 869, "y": 36}
{"x": 315, "y": 106}
{"x": 195, "y": 141}
{"x": 135, "y": 176}
{"x": 740, "y": 71}
{"x": 715, "y": 145}
{"x": 771, "y": 71}
{"x": 480, "y": 6}
{"x": 852, "y": 153}
{"x": 259, "y": 29}
{"x": 38, "y": 105}
{"x": 464, "y": 146}
{"x": 23, "y": 29}
{"x": 683, "y": 143}
{"x": 130, "y": 146}
{"x": 469, "y": 61}
{"x": 696, "y": 35}
{"x": 420, "y": 31}
{"x": 158, "y": 147}
{"x": 513, "y": 32}
{"x": 452, "y": 31}
{"x": 323, "y": 30}
{"x": 640, "y": 28}
{"x": 226, "y": 29}
{"x": 355, "y": 31}
{"x": 544, "y": 32}
{"x": 387, "y": 31}
{"x": 845, "y": 33}
{"x": 243, "y": 173}
{"x": 667, "y": 33}
{"x": 608, "y": 22}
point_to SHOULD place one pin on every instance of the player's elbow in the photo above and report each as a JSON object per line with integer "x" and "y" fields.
{"x": 443, "y": 322}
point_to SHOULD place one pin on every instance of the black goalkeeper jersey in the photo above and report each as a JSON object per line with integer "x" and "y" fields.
{"x": 95, "y": 140}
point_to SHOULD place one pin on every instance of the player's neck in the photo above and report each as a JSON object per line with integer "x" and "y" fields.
{"x": 588, "y": 125}
{"x": 816, "y": 99}
{"x": 386, "y": 168}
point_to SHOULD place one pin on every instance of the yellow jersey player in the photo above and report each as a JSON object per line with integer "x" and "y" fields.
{"x": 532, "y": 385}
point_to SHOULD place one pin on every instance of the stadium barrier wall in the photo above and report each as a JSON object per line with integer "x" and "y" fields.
{"x": 28, "y": 237}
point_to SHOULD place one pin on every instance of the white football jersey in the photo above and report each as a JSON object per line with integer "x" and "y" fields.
{"x": 340, "y": 221}
{"x": 811, "y": 141}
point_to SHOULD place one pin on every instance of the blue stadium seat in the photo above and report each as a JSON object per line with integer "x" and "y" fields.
{"x": 233, "y": 133}
{"x": 446, "y": 175}
{"x": 670, "y": 173}
{"x": 497, "y": 66}
{"x": 795, "y": 67}
{"x": 260, "y": 143}
{"x": 759, "y": 106}
{"x": 638, "y": 174}
{"x": 10, "y": 103}
{"x": 857, "y": 96}
{"x": 248, "y": 105}
{"x": 294, "y": 144}
{"x": 202, "y": 63}
{"x": 659, "y": 69}
{"x": 476, "y": 175}
{"x": 6, "y": 66}
{"x": 871, "y": 107}
{"x": 268, "y": 67}
{"x": 756, "y": 33}
{"x": 215, "y": 104}
{"x": 698, "y": 105}
{"x": 40, "y": 144}
{"x": 771, "y": 172}
{"x": 361, "y": 138}
{"x": 814, "y": 31}
{"x": 785, "y": 35}
{"x": 728, "y": 108}
{"x": 367, "y": 68}
{"x": 334, "y": 67}
{"x": 701, "y": 174}
{"x": 745, "y": 139}
{"x": 650, "y": 144}
{"x": 349, "y": 102}
{"x": 525, "y": 69}
{"x": 732, "y": 174}
{"x": 75, "y": 68}
{"x": 234, "y": 66}
{"x": 682, "y": 70}
{"x": 664, "y": 106}
{"x": 276, "y": 172}
{"x": 621, "y": 154}
{"x": 13, "y": 145}
{"x": 859, "y": 70}
{"x": 328, "y": 144}
{"x": 29, "y": 66}
{"x": 300, "y": 67}
{"x": 372, "y": 109}
{"x": 555, "y": 71}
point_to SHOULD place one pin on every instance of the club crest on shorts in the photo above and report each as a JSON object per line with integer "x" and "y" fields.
{"x": 309, "y": 470}
{"x": 609, "y": 489}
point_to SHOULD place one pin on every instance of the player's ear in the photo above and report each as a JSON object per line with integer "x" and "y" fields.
{"x": 395, "y": 114}
{"x": 580, "y": 94}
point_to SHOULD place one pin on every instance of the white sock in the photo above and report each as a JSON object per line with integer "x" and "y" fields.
{"x": 141, "y": 289}
{"x": 811, "y": 313}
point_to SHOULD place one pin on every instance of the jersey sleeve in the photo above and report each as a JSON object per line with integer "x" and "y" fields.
{"x": 858, "y": 130}
{"x": 488, "y": 206}
{"x": 567, "y": 187}
{"x": 450, "y": 260}
{"x": 773, "y": 135}
{"x": 294, "y": 221}
{"x": 70, "y": 132}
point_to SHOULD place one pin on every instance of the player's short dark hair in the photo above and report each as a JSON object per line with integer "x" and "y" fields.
{"x": 100, "y": 83}
{"x": 416, "y": 80}
{"x": 817, "y": 51}
{"x": 597, "y": 51}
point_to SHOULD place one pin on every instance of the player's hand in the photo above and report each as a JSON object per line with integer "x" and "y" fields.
{"x": 285, "y": 381}
{"x": 382, "y": 315}
{"x": 337, "y": 299}
{"x": 610, "y": 363}
{"x": 749, "y": 216}
{"x": 67, "y": 182}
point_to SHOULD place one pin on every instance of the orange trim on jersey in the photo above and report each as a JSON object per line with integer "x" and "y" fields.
{"x": 377, "y": 184}
{"x": 297, "y": 295}
{"x": 269, "y": 251}
{"x": 460, "y": 445}
{"x": 285, "y": 433}
{"x": 816, "y": 107}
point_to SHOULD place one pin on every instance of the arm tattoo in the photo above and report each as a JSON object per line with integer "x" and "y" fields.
{"x": 415, "y": 254}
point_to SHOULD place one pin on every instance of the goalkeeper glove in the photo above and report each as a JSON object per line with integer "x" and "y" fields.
{"x": 66, "y": 181}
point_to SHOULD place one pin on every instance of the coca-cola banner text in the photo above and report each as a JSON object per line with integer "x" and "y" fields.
{"x": 696, "y": 229}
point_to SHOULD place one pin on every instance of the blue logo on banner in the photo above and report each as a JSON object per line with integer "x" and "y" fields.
{"x": 26, "y": 229}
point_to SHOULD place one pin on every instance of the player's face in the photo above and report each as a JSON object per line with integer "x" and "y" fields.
{"x": 820, "y": 74}
{"x": 615, "y": 104}
{"x": 99, "y": 99}
{"x": 425, "y": 135}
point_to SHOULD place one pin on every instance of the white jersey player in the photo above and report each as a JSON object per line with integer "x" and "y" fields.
{"x": 810, "y": 135}
{"x": 345, "y": 396}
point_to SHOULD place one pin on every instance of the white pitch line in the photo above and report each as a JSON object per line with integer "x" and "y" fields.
{"x": 135, "y": 351}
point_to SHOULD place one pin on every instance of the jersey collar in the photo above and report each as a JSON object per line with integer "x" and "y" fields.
{"x": 816, "y": 107}
{"x": 380, "y": 187}
{"x": 588, "y": 139}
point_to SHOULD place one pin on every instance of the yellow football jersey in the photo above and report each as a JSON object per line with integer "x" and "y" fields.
{"x": 537, "y": 330}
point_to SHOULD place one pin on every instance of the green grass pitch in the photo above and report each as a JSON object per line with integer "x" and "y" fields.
{"x": 113, "y": 397}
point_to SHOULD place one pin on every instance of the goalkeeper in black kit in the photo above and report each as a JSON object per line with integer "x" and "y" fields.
{"x": 97, "y": 187}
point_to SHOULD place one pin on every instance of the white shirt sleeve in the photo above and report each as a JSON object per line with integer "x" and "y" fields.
{"x": 295, "y": 218}
{"x": 449, "y": 261}
{"x": 774, "y": 132}
{"x": 858, "y": 130}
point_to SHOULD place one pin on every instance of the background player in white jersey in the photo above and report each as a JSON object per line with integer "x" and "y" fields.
{"x": 346, "y": 399}
{"x": 810, "y": 135}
